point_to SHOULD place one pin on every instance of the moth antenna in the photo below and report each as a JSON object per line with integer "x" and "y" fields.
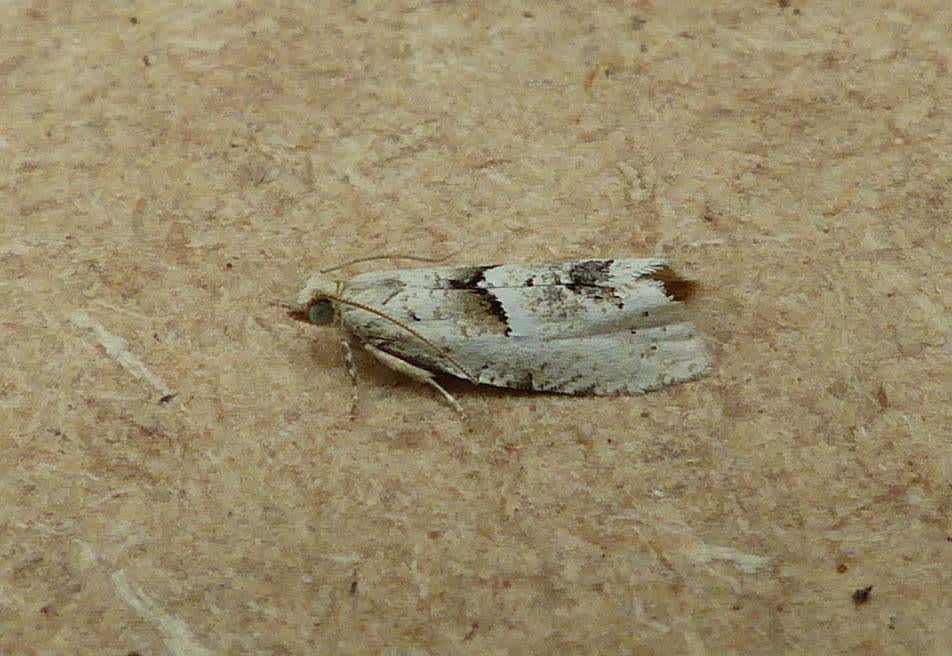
{"x": 393, "y": 256}
{"x": 442, "y": 352}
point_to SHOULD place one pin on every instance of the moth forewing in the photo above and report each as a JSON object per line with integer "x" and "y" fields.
{"x": 604, "y": 326}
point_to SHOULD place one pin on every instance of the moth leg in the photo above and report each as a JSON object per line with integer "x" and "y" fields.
{"x": 348, "y": 355}
{"x": 414, "y": 372}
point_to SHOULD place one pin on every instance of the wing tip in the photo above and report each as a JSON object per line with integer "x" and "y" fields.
{"x": 675, "y": 287}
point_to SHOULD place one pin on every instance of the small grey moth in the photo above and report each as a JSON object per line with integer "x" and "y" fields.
{"x": 598, "y": 327}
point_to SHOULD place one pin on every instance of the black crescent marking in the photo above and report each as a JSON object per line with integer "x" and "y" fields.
{"x": 591, "y": 273}
{"x": 590, "y": 278}
{"x": 470, "y": 280}
{"x": 469, "y": 277}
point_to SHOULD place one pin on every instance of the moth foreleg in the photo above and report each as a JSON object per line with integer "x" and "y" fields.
{"x": 348, "y": 356}
{"x": 414, "y": 372}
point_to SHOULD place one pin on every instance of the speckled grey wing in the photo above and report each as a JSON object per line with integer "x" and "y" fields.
{"x": 586, "y": 327}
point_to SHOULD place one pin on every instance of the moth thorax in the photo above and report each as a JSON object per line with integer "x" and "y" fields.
{"x": 315, "y": 300}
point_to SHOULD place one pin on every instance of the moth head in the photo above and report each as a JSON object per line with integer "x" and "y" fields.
{"x": 315, "y": 303}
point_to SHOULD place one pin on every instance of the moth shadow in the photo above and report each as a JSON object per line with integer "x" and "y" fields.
{"x": 372, "y": 372}
{"x": 325, "y": 355}
{"x": 463, "y": 389}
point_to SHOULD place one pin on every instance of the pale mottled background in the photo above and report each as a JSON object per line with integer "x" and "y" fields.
{"x": 169, "y": 170}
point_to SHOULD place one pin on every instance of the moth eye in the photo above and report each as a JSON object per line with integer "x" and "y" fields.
{"x": 320, "y": 313}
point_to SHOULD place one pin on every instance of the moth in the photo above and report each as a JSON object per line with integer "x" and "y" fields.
{"x": 597, "y": 327}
